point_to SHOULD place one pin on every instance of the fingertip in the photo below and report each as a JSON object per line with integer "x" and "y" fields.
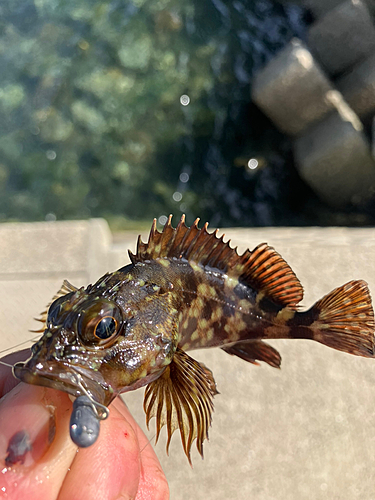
{"x": 153, "y": 483}
{"x": 35, "y": 449}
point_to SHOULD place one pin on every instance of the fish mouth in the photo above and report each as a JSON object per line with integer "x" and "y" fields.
{"x": 76, "y": 381}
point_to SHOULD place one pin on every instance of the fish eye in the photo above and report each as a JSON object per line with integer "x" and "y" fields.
{"x": 105, "y": 328}
{"x": 99, "y": 323}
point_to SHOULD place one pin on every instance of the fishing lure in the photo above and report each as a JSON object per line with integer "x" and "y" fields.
{"x": 185, "y": 289}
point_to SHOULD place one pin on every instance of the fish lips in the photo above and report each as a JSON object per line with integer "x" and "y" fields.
{"x": 77, "y": 381}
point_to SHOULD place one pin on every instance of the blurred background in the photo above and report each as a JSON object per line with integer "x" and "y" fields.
{"x": 134, "y": 109}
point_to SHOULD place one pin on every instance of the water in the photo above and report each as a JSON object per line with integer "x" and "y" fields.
{"x": 137, "y": 109}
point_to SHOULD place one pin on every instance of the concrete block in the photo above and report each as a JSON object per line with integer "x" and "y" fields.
{"x": 321, "y": 7}
{"x": 371, "y": 6}
{"x": 35, "y": 258}
{"x": 54, "y": 247}
{"x": 334, "y": 158}
{"x": 99, "y": 241}
{"x": 118, "y": 255}
{"x": 358, "y": 88}
{"x": 342, "y": 37}
{"x": 23, "y": 299}
{"x": 291, "y": 90}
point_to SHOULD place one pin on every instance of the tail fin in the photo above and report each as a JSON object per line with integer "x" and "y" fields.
{"x": 344, "y": 319}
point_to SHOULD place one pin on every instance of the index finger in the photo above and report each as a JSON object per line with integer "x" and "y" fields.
{"x": 153, "y": 484}
{"x": 118, "y": 465}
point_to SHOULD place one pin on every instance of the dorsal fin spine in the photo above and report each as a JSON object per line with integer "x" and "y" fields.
{"x": 263, "y": 268}
{"x": 184, "y": 239}
{"x": 207, "y": 241}
{"x": 153, "y": 230}
{"x": 215, "y": 258}
{"x": 181, "y": 222}
{"x": 203, "y": 248}
{"x": 216, "y": 252}
{"x": 139, "y": 243}
{"x": 167, "y": 239}
{"x": 195, "y": 238}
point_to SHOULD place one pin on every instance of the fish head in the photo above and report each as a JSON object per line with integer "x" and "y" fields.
{"x": 103, "y": 346}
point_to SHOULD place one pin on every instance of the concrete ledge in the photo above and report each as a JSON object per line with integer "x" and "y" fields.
{"x": 300, "y": 433}
{"x": 36, "y": 258}
{"x": 54, "y": 248}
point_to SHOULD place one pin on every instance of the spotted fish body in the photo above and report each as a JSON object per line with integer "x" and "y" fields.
{"x": 185, "y": 289}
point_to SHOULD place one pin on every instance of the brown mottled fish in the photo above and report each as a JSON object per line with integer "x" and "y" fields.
{"x": 185, "y": 289}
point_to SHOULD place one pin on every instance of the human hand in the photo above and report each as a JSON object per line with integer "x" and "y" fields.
{"x": 47, "y": 465}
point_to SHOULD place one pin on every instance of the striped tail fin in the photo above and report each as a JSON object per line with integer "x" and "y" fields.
{"x": 344, "y": 319}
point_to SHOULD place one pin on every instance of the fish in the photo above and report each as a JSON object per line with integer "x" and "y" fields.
{"x": 185, "y": 288}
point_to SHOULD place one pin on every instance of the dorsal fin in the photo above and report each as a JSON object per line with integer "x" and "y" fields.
{"x": 266, "y": 269}
{"x": 263, "y": 268}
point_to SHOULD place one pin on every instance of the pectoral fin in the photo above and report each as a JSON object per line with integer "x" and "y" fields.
{"x": 182, "y": 398}
{"x": 251, "y": 350}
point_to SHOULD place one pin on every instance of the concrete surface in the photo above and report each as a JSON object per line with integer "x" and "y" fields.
{"x": 334, "y": 157}
{"x": 332, "y": 153}
{"x": 34, "y": 261}
{"x": 291, "y": 89}
{"x": 320, "y": 7}
{"x": 342, "y": 37}
{"x": 303, "y": 432}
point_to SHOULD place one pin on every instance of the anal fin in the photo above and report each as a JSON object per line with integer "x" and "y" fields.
{"x": 252, "y": 350}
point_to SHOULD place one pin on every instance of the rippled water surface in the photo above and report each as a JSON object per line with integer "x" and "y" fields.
{"x": 140, "y": 108}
